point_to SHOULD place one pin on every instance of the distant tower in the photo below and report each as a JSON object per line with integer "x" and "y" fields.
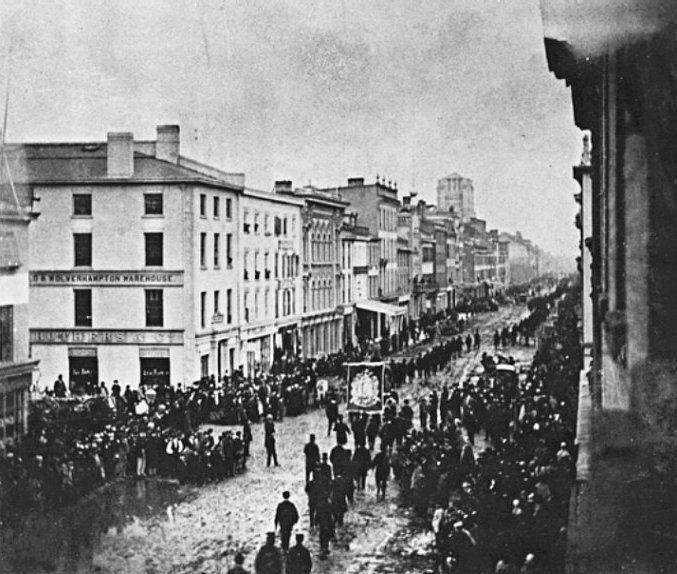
{"x": 458, "y": 192}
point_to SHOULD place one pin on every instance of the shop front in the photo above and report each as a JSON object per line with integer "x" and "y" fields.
{"x": 83, "y": 369}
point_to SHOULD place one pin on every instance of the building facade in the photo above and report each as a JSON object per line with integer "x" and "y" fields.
{"x": 17, "y": 368}
{"x": 133, "y": 268}
{"x": 322, "y": 310}
{"x": 623, "y": 91}
{"x": 271, "y": 285}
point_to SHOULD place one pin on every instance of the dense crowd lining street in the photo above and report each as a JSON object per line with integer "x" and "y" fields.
{"x": 203, "y": 534}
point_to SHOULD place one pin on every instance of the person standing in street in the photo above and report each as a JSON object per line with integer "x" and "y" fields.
{"x": 342, "y": 431}
{"x": 271, "y": 448}
{"x": 381, "y": 464}
{"x": 286, "y": 517}
{"x": 298, "y": 558}
{"x": 331, "y": 410}
{"x": 312, "y": 454}
{"x": 238, "y": 568}
{"x": 325, "y": 521}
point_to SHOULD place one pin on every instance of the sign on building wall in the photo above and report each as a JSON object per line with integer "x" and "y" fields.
{"x": 105, "y": 337}
{"x": 106, "y": 278}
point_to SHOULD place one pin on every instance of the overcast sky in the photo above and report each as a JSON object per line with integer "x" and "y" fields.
{"x": 313, "y": 90}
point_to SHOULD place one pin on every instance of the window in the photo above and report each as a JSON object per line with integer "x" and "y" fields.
{"x": 284, "y": 226}
{"x": 83, "y": 307}
{"x": 229, "y": 305}
{"x": 257, "y": 273}
{"x": 229, "y": 250}
{"x": 246, "y": 306}
{"x": 203, "y": 308}
{"x": 6, "y": 333}
{"x": 217, "y": 208}
{"x": 266, "y": 224}
{"x": 256, "y": 223}
{"x": 153, "y": 249}
{"x": 203, "y": 250}
{"x": 293, "y": 225}
{"x": 217, "y": 302}
{"x": 278, "y": 226}
{"x": 217, "y": 249}
{"x": 83, "y": 249}
{"x": 245, "y": 222}
{"x": 203, "y": 205}
{"x": 154, "y": 308}
{"x": 152, "y": 203}
{"x": 82, "y": 204}
{"x": 266, "y": 298}
{"x": 229, "y": 208}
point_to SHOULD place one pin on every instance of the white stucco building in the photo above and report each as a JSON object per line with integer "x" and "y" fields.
{"x": 133, "y": 267}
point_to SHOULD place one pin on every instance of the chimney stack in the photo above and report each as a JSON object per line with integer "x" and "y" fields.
{"x": 355, "y": 182}
{"x": 282, "y": 186}
{"x": 120, "y": 154}
{"x": 168, "y": 143}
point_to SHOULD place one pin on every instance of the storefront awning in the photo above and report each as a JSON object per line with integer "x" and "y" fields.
{"x": 383, "y": 308}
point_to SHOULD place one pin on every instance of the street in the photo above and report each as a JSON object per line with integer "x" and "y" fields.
{"x": 203, "y": 533}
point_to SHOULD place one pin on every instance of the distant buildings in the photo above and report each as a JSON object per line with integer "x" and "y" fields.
{"x": 456, "y": 193}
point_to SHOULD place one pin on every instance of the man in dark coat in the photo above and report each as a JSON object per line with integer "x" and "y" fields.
{"x": 331, "y": 411}
{"x": 312, "y": 454}
{"x": 361, "y": 464}
{"x": 381, "y": 464}
{"x": 325, "y": 520}
{"x": 269, "y": 441}
{"x": 269, "y": 558}
{"x": 342, "y": 431}
{"x": 238, "y": 568}
{"x": 298, "y": 558}
{"x": 285, "y": 517}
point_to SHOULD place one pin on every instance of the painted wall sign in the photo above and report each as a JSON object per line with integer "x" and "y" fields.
{"x": 106, "y": 278}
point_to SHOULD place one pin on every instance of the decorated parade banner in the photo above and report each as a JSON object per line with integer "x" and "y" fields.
{"x": 365, "y": 383}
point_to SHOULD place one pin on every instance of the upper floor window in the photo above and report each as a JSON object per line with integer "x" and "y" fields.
{"x": 83, "y": 307}
{"x": 82, "y": 243}
{"x": 245, "y": 222}
{"x": 217, "y": 207}
{"x": 256, "y": 223}
{"x": 152, "y": 203}
{"x": 6, "y": 333}
{"x": 203, "y": 205}
{"x": 154, "y": 251}
{"x": 154, "y": 308}
{"x": 203, "y": 250}
{"x": 82, "y": 204}
{"x": 229, "y": 208}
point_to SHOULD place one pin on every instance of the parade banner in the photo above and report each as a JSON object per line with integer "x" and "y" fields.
{"x": 365, "y": 387}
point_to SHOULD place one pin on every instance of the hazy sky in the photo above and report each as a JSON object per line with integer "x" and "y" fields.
{"x": 313, "y": 90}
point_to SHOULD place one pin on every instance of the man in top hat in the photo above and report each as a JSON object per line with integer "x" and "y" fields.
{"x": 298, "y": 558}
{"x": 312, "y": 454}
{"x": 269, "y": 558}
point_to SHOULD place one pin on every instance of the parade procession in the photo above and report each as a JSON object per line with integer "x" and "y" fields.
{"x": 354, "y": 287}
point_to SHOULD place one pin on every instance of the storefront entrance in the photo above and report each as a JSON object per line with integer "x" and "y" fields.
{"x": 83, "y": 374}
{"x": 154, "y": 371}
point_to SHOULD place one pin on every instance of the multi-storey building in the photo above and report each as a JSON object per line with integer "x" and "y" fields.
{"x": 322, "y": 312}
{"x": 133, "y": 268}
{"x": 271, "y": 232}
{"x": 17, "y": 368}
{"x": 378, "y": 207}
{"x": 622, "y": 78}
{"x": 456, "y": 193}
{"x": 408, "y": 227}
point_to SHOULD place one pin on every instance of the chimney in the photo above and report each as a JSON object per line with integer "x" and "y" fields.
{"x": 167, "y": 146}
{"x": 120, "y": 154}
{"x": 406, "y": 200}
{"x": 282, "y": 186}
{"x": 355, "y": 181}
